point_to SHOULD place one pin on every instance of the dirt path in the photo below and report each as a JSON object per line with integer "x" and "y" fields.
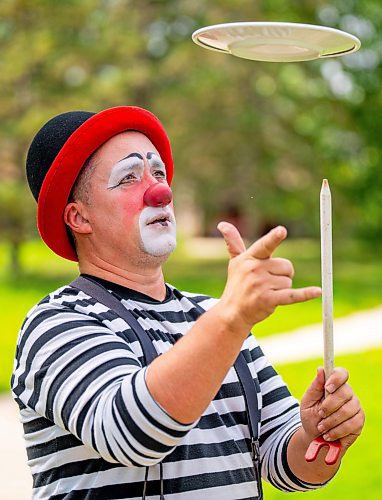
{"x": 15, "y": 478}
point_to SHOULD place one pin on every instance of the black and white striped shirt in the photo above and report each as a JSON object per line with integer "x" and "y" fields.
{"x": 92, "y": 427}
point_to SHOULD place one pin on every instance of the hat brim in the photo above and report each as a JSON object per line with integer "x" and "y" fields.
{"x": 63, "y": 172}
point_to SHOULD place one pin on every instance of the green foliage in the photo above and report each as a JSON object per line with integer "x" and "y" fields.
{"x": 249, "y": 138}
{"x": 14, "y": 211}
{"x": 16, "y": 219}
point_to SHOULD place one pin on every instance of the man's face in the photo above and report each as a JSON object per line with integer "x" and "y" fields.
{"x": 122, "y": 224}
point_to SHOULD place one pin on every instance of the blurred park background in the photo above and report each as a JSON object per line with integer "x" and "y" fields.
{"x": 251, "y": 141}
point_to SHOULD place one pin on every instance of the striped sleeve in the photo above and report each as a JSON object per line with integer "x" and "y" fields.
{"x": 280, "y": 418}
{"x": 77, "y": 373}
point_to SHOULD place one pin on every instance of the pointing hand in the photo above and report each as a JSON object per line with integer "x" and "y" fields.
{"x": 257, "y": 283}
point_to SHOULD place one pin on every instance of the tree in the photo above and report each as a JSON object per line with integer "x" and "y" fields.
{"x": 15, "y": 220}
{"x": 253, "y": 139}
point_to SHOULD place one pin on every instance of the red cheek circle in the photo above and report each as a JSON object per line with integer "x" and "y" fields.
{"x": 132, "y": 202}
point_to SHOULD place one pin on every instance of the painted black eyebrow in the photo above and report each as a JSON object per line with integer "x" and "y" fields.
{"x": 149, "y": 155}
{"x": 131, "y": 155}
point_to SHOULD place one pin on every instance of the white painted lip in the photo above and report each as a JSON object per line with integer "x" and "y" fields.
{"x": 158, "y": 239}
{"x": 150, "y": 215}
{"x": 158, "y": 217}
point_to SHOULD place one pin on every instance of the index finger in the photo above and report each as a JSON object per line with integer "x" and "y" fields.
{"x": 338, "y": 378}
{"x": 266, "y": 245}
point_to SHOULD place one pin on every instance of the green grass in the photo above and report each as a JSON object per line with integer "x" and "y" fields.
{"x": 358, "y": 274}
{"x": 44, "y": 272}
{"x": 360, "y": 473}
{"x": 357, "y": 279}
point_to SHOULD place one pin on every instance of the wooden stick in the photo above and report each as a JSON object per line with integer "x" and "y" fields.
{"x": 327, "y": 276}
{"x": 327, "y": 317}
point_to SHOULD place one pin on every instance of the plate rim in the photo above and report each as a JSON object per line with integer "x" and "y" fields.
{"x": 315, "y": 27}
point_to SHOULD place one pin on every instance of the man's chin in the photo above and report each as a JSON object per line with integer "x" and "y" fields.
{"x": 161, "y": 247}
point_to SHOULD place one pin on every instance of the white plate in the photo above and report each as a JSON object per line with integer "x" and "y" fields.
{"x": 276, "y": 42}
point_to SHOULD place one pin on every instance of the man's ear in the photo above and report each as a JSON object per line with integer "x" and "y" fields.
{"x": 74, "y": 218}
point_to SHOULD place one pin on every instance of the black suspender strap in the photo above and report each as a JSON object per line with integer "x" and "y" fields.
{"x": 250, "y": 393}
{"x": 247, "y": 384}
{"x": 102, "y": 295}
{"x": 253, "y": 413}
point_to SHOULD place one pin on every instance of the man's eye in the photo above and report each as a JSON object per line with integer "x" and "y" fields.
{"x": 128, "y": 178}
{"x": 160, "y": 174}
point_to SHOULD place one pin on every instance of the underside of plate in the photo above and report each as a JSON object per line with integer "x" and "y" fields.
{"x": 276, "y": 42}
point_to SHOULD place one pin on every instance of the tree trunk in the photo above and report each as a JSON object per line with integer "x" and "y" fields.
{"x": 14, "y": 258}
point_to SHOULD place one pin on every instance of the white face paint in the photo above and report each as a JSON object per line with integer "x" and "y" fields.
{"x": 157, "y": 228}
{"x": 157, "y": 167}
{"x": 127, "y": 170}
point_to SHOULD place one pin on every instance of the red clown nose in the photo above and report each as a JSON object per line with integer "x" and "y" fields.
{"x": 157, "y": 195}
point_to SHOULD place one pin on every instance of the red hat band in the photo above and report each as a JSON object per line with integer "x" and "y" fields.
{"x": 81, "y": 144}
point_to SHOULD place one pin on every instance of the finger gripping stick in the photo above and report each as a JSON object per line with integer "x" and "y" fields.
{"x": 318, "y": 443}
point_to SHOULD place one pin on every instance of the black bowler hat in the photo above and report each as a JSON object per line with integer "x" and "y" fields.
{"x": 59, "y": 151}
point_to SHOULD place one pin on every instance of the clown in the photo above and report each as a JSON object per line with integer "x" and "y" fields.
{"x": 131, "y": 206}
{"x": 130, "y": 388}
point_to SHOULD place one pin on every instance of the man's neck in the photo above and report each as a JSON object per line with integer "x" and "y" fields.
{"x": 149, "y": 281}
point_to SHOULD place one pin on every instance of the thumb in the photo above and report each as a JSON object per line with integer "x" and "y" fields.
{"x": 267, "y": 244}
{"x": 232, "y": 238}
{"x": 315, "y": 391}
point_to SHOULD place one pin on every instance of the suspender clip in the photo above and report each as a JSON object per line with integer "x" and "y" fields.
{"x": 256, "y": 465}
{"x": 255, "y": 450}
